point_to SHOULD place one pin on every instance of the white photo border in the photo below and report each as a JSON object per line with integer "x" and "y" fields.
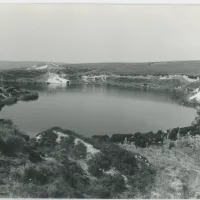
{"x": 153, "y": 2}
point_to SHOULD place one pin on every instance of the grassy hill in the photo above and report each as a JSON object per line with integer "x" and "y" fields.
{"x": 59, "y": 163}
{"x": 169, "y": 67}
{"x": 62, "y": 164}
{"x": 178, "y": 168}
{"x": 19, "y": 64}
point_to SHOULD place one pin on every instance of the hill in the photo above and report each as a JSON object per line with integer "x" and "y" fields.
{"x": 62, "y": 164}
{"x": 168, "y": 67}
{"x": 20, "y": 64}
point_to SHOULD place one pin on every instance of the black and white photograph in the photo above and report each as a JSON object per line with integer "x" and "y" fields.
{"x": 99, "y": 101}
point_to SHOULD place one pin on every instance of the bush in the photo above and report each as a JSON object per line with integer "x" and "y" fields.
{"x": 35, "y": 175}
{"x": 6, "y": 121}
{"x": 94, "y": 168}
{"x": 41, "y": 173}
{"x": 67, "y": 143}
{"x": 100, "y": 192}
{"x": 171, "y": 145}
{"x": 61, "y": 155}
{"x": 115, "y": 183}
{"x": 107, "y": 187}
{"x": 51, "y": 180}
{"x": 55, "y": 189}
{"x": 11, "y": 145}
{"x": 80, "y": 151}
{"x": 14, "y": 144}
{"x": 142, "y": 181}
{"x": 113, "y": 156}
{"x": 123, "y": 160}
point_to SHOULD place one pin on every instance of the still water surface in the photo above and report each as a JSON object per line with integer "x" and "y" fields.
{"x": 93, "y": 110}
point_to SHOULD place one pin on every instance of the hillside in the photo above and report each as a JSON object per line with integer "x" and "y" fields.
{"x": 19, "y": 64}
{"x": 178, "y": 168}
{"x": 36, "y": 72}
{"x": 62, "y": 164}
{"x": 168, "y": 67}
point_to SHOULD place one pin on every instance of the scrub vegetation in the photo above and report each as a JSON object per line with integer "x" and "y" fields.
{"x": 71, "y": 167}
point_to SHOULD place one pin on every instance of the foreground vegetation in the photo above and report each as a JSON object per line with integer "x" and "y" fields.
{"x": 177, "y": 168}
{"x": 61, "y": 164}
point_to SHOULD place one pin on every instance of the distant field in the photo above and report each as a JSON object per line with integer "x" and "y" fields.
{"x": 178, "y": 67}
{"x": 18, "y": 64}
{"x": 174, "y": 67}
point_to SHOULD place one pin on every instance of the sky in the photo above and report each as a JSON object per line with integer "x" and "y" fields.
{"x": 92, "y": 33}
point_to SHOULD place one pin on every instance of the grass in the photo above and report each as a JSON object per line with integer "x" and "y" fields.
{"x": 42, "y": 180}
{"x": 187, "y": 67}
{"x": 178, "y": 170}
{"x": 66, "y": 173}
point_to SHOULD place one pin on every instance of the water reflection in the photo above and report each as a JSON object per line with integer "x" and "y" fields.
{"x": 109, "y": 90}
{"x": 95, "y": 109}
{"x": 53, "y": 88}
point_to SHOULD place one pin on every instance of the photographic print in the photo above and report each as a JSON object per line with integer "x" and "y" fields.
{"x": 99, "y": 101}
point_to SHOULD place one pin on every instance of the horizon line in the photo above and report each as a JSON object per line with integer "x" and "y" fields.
{"x": 104, "y": 62}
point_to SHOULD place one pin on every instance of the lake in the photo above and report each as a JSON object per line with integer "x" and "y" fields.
{"x": 90, "y": 110}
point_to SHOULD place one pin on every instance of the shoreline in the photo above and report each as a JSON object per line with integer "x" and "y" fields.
{"x": 181, "y": 95}
{"x": 13, "y": 94}
{"x": 29, "y": 96}
{"x": 119, "y": 160}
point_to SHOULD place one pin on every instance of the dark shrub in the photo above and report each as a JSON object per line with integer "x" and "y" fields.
{"x": 35, "y": 175}
{"x": 80, "y": 151}
{"x": 113, "y": 183}
{"x": 123, "y": 160}
{"x": 99, "y": 163}
{"x": 95, "y": 169}
{"x": 173, "y": 134}
{"x": 113, "y": 156}
{"x": 6, "y": 121}
{"x": 67, "y": 143}
{"x": 100, "y": 192}
{"x": 171, "y": 145}
{"x": 47, "y": 143}
{"x": 34, "y": 156}
{"x": 141, "y": 140}
{"x": 143, "y": 180}
{"x": 12, "y": 145}
{"x": 41, "y": 173}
